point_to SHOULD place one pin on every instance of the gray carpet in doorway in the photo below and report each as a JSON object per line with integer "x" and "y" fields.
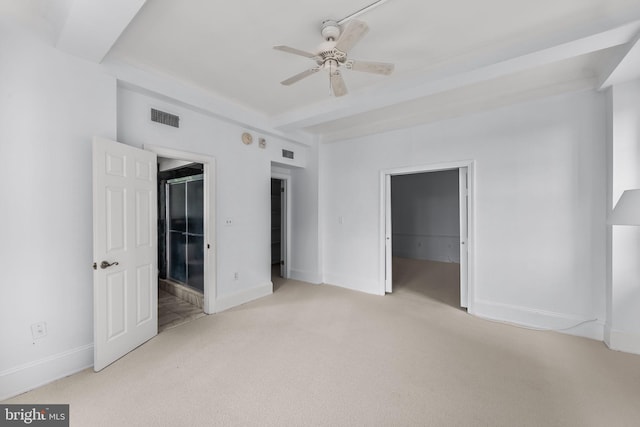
{"x": 321, "y": 355}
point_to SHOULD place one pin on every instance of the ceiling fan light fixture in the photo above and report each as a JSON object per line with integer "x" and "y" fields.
{"x": 330, "y": 65}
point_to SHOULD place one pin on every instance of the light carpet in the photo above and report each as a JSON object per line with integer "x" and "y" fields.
{"x": 313, "y": 355}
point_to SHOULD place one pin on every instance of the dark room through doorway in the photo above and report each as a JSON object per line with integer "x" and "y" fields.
{"x": 181, "y": 242}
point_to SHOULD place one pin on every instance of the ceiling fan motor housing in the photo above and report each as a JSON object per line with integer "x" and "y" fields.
{"x": 330, "y": 30}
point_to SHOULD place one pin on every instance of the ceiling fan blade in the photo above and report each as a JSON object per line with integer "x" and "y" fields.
{"x": 351, "y": 35}
{"x": 371, "y": 67}
{"x": 337, "y": 84}
{"x": 295, "y": 51}
{"x": 291, "y": 80}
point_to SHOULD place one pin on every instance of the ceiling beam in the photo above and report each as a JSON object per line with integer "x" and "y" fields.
{"x": 453, "y": 78}
{"x": 93, "y": 26}
{"x": 628, "y": 68}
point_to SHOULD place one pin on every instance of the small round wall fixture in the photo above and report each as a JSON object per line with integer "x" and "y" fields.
{"x": 262, "y": 142}
{"x": 247, "y": 138}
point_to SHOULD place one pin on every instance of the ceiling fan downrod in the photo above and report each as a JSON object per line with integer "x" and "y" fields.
{"x": 362, "y": 11}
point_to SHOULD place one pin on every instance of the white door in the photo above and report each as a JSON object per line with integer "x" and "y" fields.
{"x": 388, "y": 276}
{"x": 463, "y": 192}
{"x": 125, "y": 282}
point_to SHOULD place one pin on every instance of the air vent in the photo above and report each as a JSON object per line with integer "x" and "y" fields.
{"x": 287, "y": 154}
{"x": 165, "y": 118}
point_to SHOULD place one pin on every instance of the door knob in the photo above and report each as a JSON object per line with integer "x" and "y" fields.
{"x": 105, "y": 264}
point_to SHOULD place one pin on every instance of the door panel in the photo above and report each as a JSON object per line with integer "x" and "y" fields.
{"x": 388, "y": 278}
{"x": 144, "y": 285}
{"x": 125, "y": 237}
{"x": 283, "y": 228}
{"x": 116, "y": 296}
{"x": 115, "y": 219}
{"x": 464, "y": 227}
{"x": 144, "y": 227}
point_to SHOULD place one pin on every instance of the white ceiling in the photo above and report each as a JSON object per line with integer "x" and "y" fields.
{"x": 451, "y": 58}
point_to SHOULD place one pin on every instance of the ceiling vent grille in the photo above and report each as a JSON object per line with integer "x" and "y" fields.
{"x": 165, "y": 118}
{"x": 287, "y": 154}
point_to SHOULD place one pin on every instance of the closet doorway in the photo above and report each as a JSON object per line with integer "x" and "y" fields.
{"x": 279, "y": 229}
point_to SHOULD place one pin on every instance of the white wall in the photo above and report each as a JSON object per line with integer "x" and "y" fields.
{"x": 304, "y": 256}
{"x": 306, "y": 234}
{"x": 426, "y": 216}
{"x": 243, "y": 187}
{"x": 539, "y": 206}
{"x": 51, "y": 105}
{"x": 623, "y": 328}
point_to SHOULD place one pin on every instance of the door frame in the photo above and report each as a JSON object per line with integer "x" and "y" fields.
{"x": 209, "y": 203}
{"x": 385, "y": 235}
{"x": 285, "y": 215}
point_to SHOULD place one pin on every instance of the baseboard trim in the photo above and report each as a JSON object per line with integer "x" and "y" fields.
{"x": 355, "y": 284}
{"x": 29, "y": 376}
{"x": 243, "y": 297}
{"x": 539, "y": 319}
{"x": 622, "y": 341}
{"x": 305, "y": 276}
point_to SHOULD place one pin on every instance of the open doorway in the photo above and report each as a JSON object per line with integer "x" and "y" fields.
{"x": 181, "y": 242}
{"x": 426, "y": 234}
{"x": 426, "y": 226}
{"x": 175, "y": 159}
{"x": 278, "y": 231}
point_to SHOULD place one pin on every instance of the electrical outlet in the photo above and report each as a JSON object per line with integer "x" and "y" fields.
{"x": 228, "y": 222}
{"x": 39, "y": 330}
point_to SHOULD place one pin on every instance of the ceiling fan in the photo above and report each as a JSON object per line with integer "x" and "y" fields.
{"x": 331, "y": 55}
